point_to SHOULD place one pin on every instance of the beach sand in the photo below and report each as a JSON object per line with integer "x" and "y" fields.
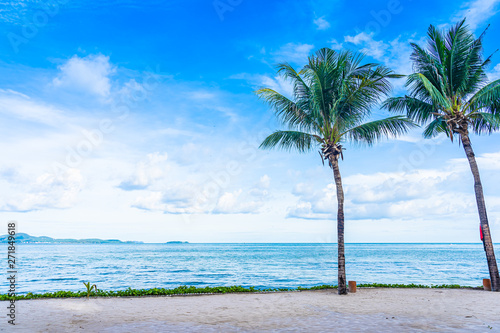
{"x": 368, "y": 310}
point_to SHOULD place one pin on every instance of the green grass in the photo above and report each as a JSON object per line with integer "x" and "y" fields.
{"x": 186, "y": 290}
{"x": 443, "y": 286}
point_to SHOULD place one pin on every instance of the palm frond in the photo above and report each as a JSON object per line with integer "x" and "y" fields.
{"x": 333, "y": 93}
{"x": 287, "y": 111}
{"x": 449, "y": 87}
{"x": 485, "y": 97}
{"x": 484, "y": 123}
{"x": 373, "y": 131}
{"x": 434, "y": 92}
{"x": 415, "y": 109}
{"x": 466, "y": 62}
{"x": 458, "y": 43}
{"x": 290, "y": 140}
{"x": 436, "y": 127}
{"x": 300, "y": 88}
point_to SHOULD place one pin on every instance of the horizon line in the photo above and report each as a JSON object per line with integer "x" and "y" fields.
{"x": 313, "y": 242}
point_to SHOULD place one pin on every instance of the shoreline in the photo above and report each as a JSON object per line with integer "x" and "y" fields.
{"x": 196, "y": 291}
{"x": 369, "y": 309}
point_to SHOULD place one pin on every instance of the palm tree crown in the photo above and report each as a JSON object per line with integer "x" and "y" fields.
{"x": 332, "y": 96}
{"x": 449, "y": 88}
{"x": 450, "y": 91}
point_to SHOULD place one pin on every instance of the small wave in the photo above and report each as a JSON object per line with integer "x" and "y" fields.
{"x": 192, "y": 283}
{"x": 213, "y": 275}
{"x": 63, "y": 279}
{"x": 284, "y": 280}
{"x": 180, "y": 271}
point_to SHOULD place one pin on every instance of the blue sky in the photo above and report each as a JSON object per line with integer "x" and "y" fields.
{"x": 137, "y": 120}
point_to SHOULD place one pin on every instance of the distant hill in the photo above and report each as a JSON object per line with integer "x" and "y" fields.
{"x": 177, "y": 242}
{"x": 25, "y": 238}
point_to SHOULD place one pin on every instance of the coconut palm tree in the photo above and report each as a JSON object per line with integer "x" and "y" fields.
{"x": 332, "y": 96}
{"x": 449, "y": 91}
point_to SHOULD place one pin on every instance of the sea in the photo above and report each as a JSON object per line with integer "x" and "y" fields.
{"x": 53, "y": 267}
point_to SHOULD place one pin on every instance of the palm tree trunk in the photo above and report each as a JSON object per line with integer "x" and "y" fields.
{"x": 342, "y": 288}
{"x": 483, "y": 217}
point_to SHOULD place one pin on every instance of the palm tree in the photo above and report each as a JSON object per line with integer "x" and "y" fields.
{"x": 332, "y": 96}
{"x": 449, "y": 90}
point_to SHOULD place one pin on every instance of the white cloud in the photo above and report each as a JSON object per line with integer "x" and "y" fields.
{"x": 147, "y": 172}
{"x": 233, "y": 203}
{"x": 486, "y": 161}
{"x": 362, "y": 37}
{"x": 186, "y": 199}
{"x": 13, "y": 92}
{"x": 202, "y": 95}
{"x": 44, "y": 192}
{"x": 228, "y": 112}
{"x": 335, "y": 45}
{"x": 419, "y": 193}
{"x": 395, "y": 53}
{"x": 151, "y": 201}
{"x": 304, "y": 210}
{"x": 293, "y": 53}
{"x": 277, "y": 83}
{"x": 390, "y": 187}
{"x": 132, "y": 91}
{"x": 495, "y": 73}
{"x": 176, "y": 201}
{"x": 89, "y": 74}
{"x": 261, "y": 189}
{"x": 195, "y": 194}
{"x": 371, "y": 47}
{"x": 314, "y": 204}
{"x": 264, "y": 182}
{"x": 321, "y": 23}
{"x": 161, "y": 184}
{"x": 23, "y": 107}
{"x": 477, "y": 12}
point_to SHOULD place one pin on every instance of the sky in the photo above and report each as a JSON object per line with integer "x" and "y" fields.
{"x": 137, "y": 120}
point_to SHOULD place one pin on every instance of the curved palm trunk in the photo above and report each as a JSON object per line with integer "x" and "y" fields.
{"x": 483, "y": 217}
{"x": 342, "y": 289}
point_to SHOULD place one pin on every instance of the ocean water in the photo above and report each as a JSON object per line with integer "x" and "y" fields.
{"x": 52, "y": 267}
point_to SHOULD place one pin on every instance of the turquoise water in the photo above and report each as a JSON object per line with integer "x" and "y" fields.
{"x": 44, "y": 267}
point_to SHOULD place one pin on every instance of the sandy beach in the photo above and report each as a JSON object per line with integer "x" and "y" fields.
{"x": 368, "y": 310}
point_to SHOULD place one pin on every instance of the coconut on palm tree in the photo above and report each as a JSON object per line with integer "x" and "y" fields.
{"x": 450, "y": 92}
{"x": 332, "y": 97}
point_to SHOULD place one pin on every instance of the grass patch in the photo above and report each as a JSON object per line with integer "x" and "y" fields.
{"x": 412, "y": 285}
{"x": 186, "y": 290}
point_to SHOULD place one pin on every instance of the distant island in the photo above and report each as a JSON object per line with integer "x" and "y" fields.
{"x": 25, "y": 238}
{"x": 177, "y": 242}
